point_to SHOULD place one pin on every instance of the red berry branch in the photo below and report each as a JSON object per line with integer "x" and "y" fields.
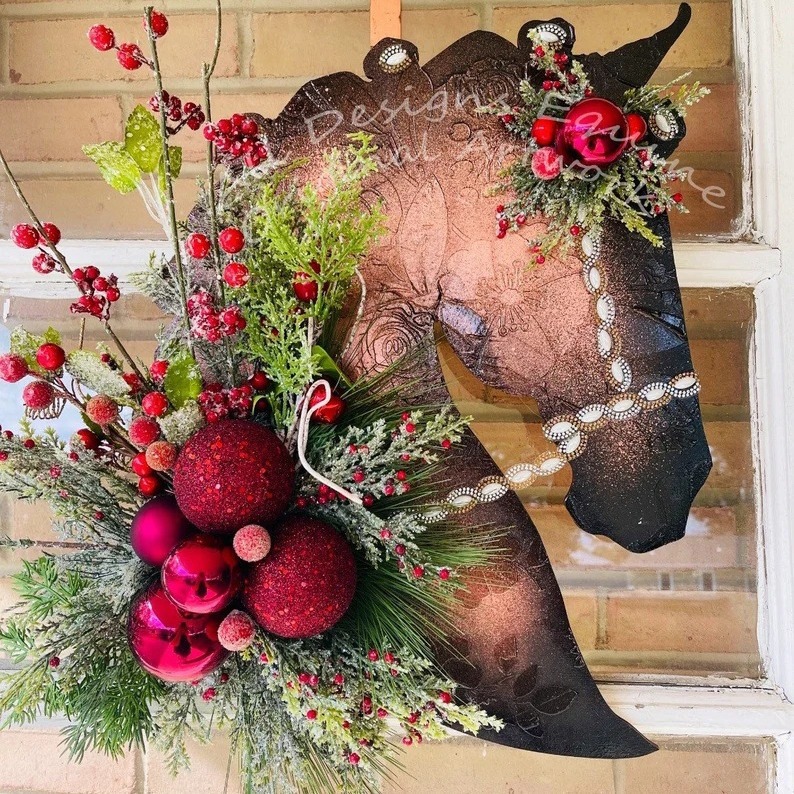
{"x": 48, "y": 235}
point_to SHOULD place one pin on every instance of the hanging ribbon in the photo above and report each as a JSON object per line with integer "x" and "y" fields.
{"x": 307, "y": 411}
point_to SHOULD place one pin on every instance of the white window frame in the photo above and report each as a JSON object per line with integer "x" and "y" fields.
{"x": 702, "y": 707}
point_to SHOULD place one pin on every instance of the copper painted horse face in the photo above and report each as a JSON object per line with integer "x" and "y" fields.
{"x": 583, "y": 333}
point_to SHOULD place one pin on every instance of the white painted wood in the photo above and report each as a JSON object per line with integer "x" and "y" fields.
{"x": 701, "y": 711}
{"x": 719, "y": 265}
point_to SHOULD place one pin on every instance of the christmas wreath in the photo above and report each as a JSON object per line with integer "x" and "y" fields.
{"x": 245, "y": 544}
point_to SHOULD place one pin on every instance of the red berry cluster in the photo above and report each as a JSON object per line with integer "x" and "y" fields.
{"x": 128, "y": 55}
{"x": 25, "y": 235}
{"x": 218, "y": 403}
{"x": 237, "y": 138}
{"x": 190, "y": 114}
{"x": 98, "y": 292}
{"x": 210, "y": 323}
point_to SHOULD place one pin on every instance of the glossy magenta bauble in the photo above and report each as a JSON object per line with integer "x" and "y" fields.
{"x": 158, "y": 528}
{"x": 306, "y": 583}
{"x": 594, "y": 133}
{"x": 170, "y": 643}
{"x": 202, "y": 574}
{"x": 232, "y": 473}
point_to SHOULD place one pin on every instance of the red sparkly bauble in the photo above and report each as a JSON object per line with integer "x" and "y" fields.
{"x": 595, "y": 132}
{"x": 231, "y": 473}
{"x": 158, "y": 528}
{"x": 170, "y": 643}
{"x": 202, "y": 574}
{"x": 306, "y": 583}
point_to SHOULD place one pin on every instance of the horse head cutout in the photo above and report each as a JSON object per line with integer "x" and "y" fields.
{"x": 596, "y": 337}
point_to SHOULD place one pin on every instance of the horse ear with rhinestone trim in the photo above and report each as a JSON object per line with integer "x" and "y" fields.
{"x": 579, "y": 309}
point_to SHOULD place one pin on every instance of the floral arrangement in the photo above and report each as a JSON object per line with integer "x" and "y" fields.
{"x": 586, "y": 159}
{"x": 242, "y": 536}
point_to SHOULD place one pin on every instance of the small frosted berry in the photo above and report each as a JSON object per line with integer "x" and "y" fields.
{"x": 443, "y": 574}
{"x": 38, "y": 394}
{"x": 154, "y": 403}
{"x": 407, "y": 741}
{"x": 50, "y": 356}
{"x": 231, "y": 240}
{"x": 159, "y": 24}
{"x": 399, "y": 550}
{"x": 446, "y": 444}
{"x": 373, "y": 655}
{"x": 354, "y": 758}
{"x": 311, "y": 714}
{"x": 43, "y": 263}
{"x": 306, "y": 289}
{"x": 84, "y": 438}
{"x": 102, "y": 38}
{"x": 382, "y": 713}
{"x": 129, "y": 56}
{"x": 12, "y": 367}
{"x": 236, "y": 632}
{"x": 197, "y": 245}
{"x": 150, "y": 486}
{"x": 29, "y": 443}
{"x": 143, "y": 431}
{"x": 251, "y": 543}
{"x": 368, "y": 500}
{"x": 158, "y": 368}
{"x": 55, "y": 662}
{"x": 418, "y": 571}
{"x": 677, "y": 198}
{"x": 161, "y": 455}
{"x": 445, "y": 697}
{"x": 236, "y": 274}
{"x": 139, "y": 465}
{"x": 52, "y": 233}
{"x": 24, "y": 235}
{"x": 113, "y": 294}
{"x": 102, "y": 410}
{"x": 209, "y": 693}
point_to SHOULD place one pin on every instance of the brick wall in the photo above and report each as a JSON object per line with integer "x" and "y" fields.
{"x": 56, "y": 92}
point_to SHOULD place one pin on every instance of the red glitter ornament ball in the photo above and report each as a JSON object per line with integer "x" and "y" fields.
{"x": 231, "y": 473}
{"x": 202, "y": 574}
{"x": 172, "y": 644}
{"x": 306, "y": 583}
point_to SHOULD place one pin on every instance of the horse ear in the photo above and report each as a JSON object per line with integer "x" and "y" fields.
{"x": 635, "y": 63}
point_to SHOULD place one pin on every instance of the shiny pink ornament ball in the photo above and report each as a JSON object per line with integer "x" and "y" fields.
{"x": 168, "y": 642}
{"x": 231, "y": 473}
{"x": 595, "y": 133}
{"x": 158, "y": 528}
{"x": 202, "y": 574}
{"x": 306, "y": 583}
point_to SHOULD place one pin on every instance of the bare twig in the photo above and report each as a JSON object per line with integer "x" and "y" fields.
{"x": 169, "y": 185}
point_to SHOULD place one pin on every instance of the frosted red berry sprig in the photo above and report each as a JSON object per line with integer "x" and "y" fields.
{"x": 237, "y": 138}
{"x": 210, "y": 323}
{"x": 188, "y": 114}
{"x": 98, "y": 292}
{"x": 128, "y": 54}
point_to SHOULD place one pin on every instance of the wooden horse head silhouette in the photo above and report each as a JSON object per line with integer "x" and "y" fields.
{"x": 597, "y": 338}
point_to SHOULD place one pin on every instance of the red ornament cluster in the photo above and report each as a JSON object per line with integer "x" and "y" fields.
{"x": 238, "y": 138}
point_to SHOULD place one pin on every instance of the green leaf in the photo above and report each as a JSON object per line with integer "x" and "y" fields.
{"x": 182, "y": 382}
{"x": 328, "y": 367}
{"x": 142, "y": 139}
{"x": 175, "y": 158}
{"x": 115, "y": 164}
